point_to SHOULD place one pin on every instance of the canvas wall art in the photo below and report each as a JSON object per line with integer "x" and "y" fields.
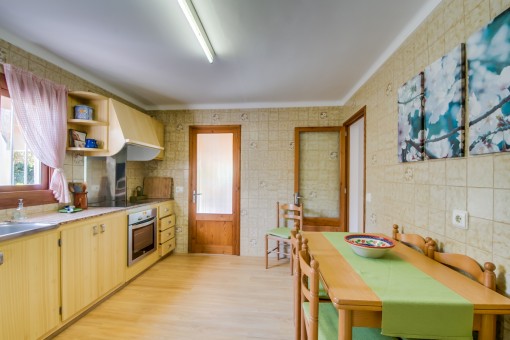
{"x": 488, "y": 54}
{"x": 410, "y": 120}
{"x": 444, "y": 105}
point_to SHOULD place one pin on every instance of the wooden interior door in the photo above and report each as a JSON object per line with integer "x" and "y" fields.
{"x": 214, "y": 189}
{"x": 319, "y": 177}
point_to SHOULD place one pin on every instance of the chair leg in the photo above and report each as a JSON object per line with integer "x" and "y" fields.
{"x": 266, "y": 250}
{"x": 278, "y": 251}
{"x": 304, "y": 335}
{"x": 291, "y": 261}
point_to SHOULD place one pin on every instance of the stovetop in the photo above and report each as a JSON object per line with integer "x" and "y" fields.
{"x": 111, "y": 204}
{"x": 122, "y": 204}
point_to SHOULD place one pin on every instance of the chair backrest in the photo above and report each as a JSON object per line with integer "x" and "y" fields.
{"x": 469, "y": 267}
{"x": 309, "y": 286}
{"x": 289, "y": 212}
{"x": 427, "y": 246}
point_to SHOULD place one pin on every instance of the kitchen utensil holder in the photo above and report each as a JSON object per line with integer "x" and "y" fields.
{"x": 80, "y": 200}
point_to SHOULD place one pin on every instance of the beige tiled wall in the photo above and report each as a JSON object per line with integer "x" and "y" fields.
{"x": 420, "y": 196}
{"x": 267, "y": 155}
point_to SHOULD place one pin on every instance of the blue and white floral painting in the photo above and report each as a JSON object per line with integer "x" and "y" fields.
{"x": 444, "y": 105}
{"x": 410, "y": 120}
{"x": 488, "y": 54}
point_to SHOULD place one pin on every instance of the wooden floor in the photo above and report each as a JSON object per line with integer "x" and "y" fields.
{"x": 196, "y": 297}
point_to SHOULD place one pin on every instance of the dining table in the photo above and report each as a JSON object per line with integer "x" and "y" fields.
{"x": 350, "y": 283}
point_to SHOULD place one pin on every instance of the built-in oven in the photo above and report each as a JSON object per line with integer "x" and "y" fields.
{"x": 142, "y": 234}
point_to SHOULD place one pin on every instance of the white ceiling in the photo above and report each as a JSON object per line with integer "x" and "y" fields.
{"x": 269, "y": 53}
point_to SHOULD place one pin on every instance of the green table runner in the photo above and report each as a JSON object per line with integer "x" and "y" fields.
{"x": 414, "y": 304}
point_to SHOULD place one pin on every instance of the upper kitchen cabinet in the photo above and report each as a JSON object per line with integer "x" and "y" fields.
{"x": 115, "y": 126}
{"x": 94, "y": 128}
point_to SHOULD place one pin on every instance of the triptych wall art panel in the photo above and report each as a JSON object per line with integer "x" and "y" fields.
{"x": 410, "y": 120}
{"x": 441, "y": 133}
{"x": 444, "y": 105}
{"x": 489, "y": 87}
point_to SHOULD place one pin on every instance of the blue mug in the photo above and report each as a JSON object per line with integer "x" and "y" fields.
{"x": 90, "y": 143}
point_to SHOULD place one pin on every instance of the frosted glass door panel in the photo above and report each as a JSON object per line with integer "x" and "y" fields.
{"x": 356, "y": 175}
{"x": 319, "y": 180}
{"x": 214, "y": 173}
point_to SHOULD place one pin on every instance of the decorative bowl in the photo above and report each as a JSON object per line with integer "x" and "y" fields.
{"x": 83, "y": 112}
{"x": 367, "y": 245}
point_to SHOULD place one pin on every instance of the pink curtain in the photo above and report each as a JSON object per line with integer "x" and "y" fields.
{"x": 40, "y": 108}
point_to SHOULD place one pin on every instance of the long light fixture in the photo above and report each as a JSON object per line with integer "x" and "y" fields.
{"x": 194, "y": 21}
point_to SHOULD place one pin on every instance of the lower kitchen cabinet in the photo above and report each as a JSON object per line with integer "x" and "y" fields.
{"x": 166, "y": 229}
{"x": 29, "y": 286}
{"x": 93, "y": 261}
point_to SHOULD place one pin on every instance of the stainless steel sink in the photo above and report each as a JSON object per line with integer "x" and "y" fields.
{"x": 9, "y": 230}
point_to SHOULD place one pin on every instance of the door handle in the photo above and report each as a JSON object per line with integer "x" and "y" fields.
{"x": 195, "y": 194}
{"x": 103, "y": 228}
{"x": 94, "y": 230}
{"x": 297, "y": 197}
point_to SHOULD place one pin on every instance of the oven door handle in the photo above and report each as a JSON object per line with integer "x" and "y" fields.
{"x": 144, "y": 224}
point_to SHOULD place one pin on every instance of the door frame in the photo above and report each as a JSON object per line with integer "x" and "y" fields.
{"x": 361, "y": 113}
{"x": 236, "y": 181}
{"x": 317, "y": 224}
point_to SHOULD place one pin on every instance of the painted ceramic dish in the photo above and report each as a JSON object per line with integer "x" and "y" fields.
{"x": 368, "y": 245}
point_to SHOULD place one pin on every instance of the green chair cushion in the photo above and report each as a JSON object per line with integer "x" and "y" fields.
{"x": 323, "y": 294}
{"x": 328, "y": 320}
{"x": 328, "y": 324}
{"x": 280, "y": 232}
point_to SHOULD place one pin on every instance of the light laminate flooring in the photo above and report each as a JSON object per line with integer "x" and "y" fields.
{"x": 202, "y": 297}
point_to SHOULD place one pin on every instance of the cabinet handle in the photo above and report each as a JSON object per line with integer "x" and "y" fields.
{"x": 103, "y": 228}
{"x": 1, "y": 258}
{"x": 94, "y": 230}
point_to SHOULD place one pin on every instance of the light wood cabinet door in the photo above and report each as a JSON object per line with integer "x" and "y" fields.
{"x": 112, "y": 253}
{"x": 29, "y": 287}
{"x": 93, "y": 261}
{"x": 79, "y": 267}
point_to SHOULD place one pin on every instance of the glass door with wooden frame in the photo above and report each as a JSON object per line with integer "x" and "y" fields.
{"x": 214, "y": 189}
{"x": 319, "y": 177}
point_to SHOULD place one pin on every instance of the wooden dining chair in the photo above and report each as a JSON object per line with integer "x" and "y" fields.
{"x": 485, "y": 275}
{"x": 426, "y": 246}
{"x": 285, "y": 213}
{"x": 320, "y": 320}
{"x": 298, "y": 243}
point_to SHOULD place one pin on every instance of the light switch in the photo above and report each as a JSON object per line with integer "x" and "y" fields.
{"x": 179, "y": 189}
{"x": 460, "y": 219}
{"x": 368, "y": 197}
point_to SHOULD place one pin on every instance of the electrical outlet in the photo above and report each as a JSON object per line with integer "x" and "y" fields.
{"x": 179, "y": 189}
{"x": 178, "y": 229}
{"x": 460, "y": 219}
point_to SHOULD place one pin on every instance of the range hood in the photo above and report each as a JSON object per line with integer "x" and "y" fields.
{"x": 132, "y": 130}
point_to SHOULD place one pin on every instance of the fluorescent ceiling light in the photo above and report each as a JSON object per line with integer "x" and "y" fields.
{"x": 194, "y": 21}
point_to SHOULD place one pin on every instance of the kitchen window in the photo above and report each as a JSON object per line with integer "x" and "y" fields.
{"x": 22, "y": 174}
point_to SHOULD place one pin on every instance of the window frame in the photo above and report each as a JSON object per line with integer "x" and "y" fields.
{"x": 31, "y": 194}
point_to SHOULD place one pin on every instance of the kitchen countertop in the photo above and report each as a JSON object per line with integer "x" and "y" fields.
{"x": 57, "y": 219}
